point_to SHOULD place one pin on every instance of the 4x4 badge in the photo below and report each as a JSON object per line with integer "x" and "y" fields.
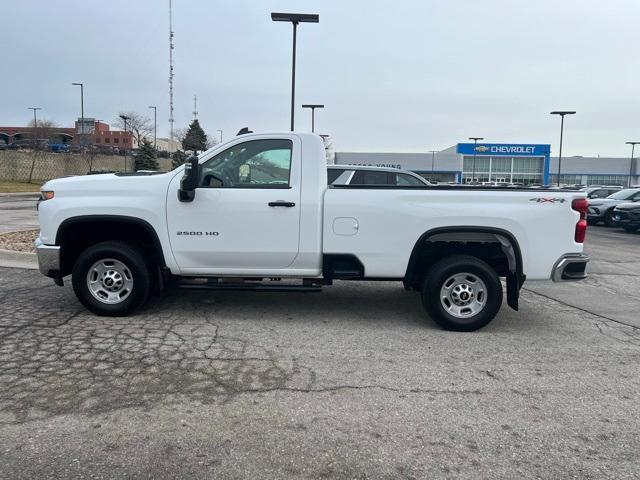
{"x": 547, "y": 200}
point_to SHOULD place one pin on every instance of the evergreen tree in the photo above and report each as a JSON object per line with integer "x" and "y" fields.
{"x": 178, "y": 158}
{"x": 146, "y": 157}
{"x": 195, "y": 138}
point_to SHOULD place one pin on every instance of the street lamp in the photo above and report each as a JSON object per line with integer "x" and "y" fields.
{"x": 313, "y": 107}
{"x": 433, "y": 161}
{"x": 475, "y": 147}
{"x": 125, "y": 118}
{"x": 155, "y": 123}
{"x": 562, "y": 113}
{"x": 81, "y": 85}
{"x": 633, "y": 147}
{"x": 35, "y": 125}
{"x": 294, "y": 18}
{"x": 220, "y": 132}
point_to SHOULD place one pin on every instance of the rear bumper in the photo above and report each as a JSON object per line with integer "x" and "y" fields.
{"x": 48, "y": 259}
{"x": 572, "y": 266}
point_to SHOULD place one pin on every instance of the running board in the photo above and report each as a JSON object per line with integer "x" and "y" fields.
{"x": 214, "y": 284}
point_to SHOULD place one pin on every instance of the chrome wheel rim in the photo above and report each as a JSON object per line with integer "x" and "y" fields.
{"x": 110, "y": 281}
{"x": 463, "y": 295}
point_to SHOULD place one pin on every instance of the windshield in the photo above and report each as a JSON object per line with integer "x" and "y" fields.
{"x": 623, "y": 194}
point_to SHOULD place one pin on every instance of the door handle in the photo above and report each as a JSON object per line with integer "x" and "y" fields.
{"x": 281, "y": 203}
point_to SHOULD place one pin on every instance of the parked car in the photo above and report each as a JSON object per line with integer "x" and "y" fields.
{"x": 59, "y": 148}
{"x": 601, "y": 210}
{"x": 364, "y": 175}
{"x": 601, "y": 191}
{"x": 627, "y": 216}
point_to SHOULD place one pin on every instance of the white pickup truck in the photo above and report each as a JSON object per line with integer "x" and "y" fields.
{"x": 256, "y": 213}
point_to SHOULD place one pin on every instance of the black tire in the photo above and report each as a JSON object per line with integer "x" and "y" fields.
{"x": 440, "y": 272}
{"x": 137, "y": 267}
{"x": 631, "y": 229}
{"x": 608, "y": 218}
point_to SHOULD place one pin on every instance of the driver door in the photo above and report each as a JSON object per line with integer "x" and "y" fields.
{"x": 246, "y": 211}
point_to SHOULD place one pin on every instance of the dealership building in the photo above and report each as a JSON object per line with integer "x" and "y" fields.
{"x": 500, "y": 162}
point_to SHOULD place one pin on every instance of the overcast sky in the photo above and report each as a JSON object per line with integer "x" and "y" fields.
{"x": 394, "y": 76}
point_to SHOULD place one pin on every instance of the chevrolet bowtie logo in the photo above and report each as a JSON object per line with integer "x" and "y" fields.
{"x": 481, "y": 148}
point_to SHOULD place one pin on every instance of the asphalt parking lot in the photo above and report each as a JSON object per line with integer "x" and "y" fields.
{"x": 351, "y": 383}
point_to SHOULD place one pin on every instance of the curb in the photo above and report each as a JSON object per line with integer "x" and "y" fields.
{"x": 10, "y": 258}
{"x": 19, "y": 194}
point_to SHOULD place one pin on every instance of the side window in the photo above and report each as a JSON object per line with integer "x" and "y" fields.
{"x": 252, "y": 164}
{"x": 404, "y": 179}
{"x": 372, "y": 177}
{"x": 333, "y": 174}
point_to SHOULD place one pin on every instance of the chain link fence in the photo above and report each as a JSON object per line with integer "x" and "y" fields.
{"x": 36, "y": 166}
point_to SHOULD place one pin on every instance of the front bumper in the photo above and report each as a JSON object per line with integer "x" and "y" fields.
{"x": 572, "y": 266}
{"x": 48, "y": 259}
{"x": 626, "y": 218}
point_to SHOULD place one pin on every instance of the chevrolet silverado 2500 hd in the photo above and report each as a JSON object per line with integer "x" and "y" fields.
{"x": 256, "y": 213}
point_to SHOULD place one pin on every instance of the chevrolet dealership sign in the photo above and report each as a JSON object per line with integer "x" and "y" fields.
{"x": 528, "y": 150}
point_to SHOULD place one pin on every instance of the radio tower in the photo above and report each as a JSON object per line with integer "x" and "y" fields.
{"x": 195, "y": 107}
{"x": 170, "y": 75}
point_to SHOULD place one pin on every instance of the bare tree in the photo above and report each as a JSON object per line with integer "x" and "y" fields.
{"x": 45, "y": 129}
{"x": 139, "y": 125}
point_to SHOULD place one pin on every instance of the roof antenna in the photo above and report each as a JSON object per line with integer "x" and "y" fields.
{"x": 244, "y": 131}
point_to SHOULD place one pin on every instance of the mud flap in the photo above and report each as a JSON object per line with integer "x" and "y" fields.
{"x": 513, "y": 290}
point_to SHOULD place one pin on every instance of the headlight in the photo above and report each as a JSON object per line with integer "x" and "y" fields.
{"x": 46, "y": 194}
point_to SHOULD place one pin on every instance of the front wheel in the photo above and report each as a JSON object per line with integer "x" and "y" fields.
{"x": 111, "y": 278}
{"x": 461, "y": 293}
{"x": 608, "y": 218}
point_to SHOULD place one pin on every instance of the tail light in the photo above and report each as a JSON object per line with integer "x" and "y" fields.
{"x": 580, "y": 205}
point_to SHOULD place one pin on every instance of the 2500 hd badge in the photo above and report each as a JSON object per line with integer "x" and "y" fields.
{"x": 199, "y": 234}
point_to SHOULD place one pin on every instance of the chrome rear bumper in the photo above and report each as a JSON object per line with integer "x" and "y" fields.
{"x": 572, "y": 266}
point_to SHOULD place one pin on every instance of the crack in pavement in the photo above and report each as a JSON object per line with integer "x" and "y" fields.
{"x": 604, "y": 317}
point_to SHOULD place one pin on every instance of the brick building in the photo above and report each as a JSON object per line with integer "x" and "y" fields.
{"x": 96, "y": 133}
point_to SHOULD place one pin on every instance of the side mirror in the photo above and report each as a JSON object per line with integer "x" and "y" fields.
{"x": 190, "y": 179}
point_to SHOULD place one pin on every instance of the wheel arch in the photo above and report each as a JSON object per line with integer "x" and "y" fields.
{"x": 509, "y": 245}
{"x": 79, "y": 232}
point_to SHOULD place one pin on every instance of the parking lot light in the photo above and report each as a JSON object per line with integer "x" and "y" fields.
{"x": 294, "y": 18}
{"x": 35, "y": 125}
{"x": 633, "y": 147}
{"x": 81, "y": 85}
{"x": 313, "y": 107}
{"x": 475, "y": 146}
{"x": 125, "y": 118}
{"x": 562, "y": 113}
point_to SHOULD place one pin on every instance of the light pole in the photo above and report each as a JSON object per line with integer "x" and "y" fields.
{"x": 125, "y": 118}
{"x": 475, "y": 148}
{"x": 633, "y": 147}
{"x": 81, "y": 110}
{"x": 313, "y": 107}
{"x": 220, "y": 132}
{"x": 35, "y": 126}
{"x": 562, "y": 113}
{"x": 433, "y": 161}
{"x": 294, "y": 18}
{"x": 155, "y": 124}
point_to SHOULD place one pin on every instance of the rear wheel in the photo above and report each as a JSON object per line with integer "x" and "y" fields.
{"x": 111, "y": 278}
{"x": 462, "y": 293}
{"x": 608, "y": 218}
